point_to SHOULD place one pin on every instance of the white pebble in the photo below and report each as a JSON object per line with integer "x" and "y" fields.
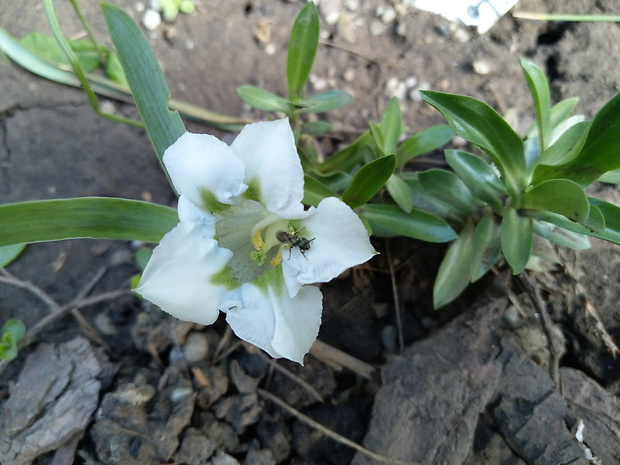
{"x": 377, "y": 28}
{"x": 196, "y": 347}
{"x": 270, "y": 49}
{"x": 151, "y": 19}
{"x": 482, "y": 67}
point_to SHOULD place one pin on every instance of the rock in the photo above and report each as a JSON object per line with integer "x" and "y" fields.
{"x": 196, "y": 347}
{"x": 151, "y": 19}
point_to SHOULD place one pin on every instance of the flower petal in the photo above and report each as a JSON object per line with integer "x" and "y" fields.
{"x": 280, "y": 325}
{"x": 200, "y": 162}
{"x": 272, "y": 166}
{"x": 178, "y": 277}
{"x": 340, "y": 241}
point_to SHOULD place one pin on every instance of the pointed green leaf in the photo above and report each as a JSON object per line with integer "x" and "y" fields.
{"x": 416, "y": 224}
{"x": 400, "y": 192}
{"x": 9, "y": 253}
{"x": 539, "y": 88}
{"x": 478, "y": 123}
{"x": 391, "y": 126}
{"x": 423, "y": 142}
{"x": 559, "y": 113}
{"x": 145, "y": 78}
{"x": 555, "y": 154}
{"x": 479, "y": 177}
{"x": 596, "y": 220}
{"x": 453, "y": 275}
{"x": 352, "y": 155}
{"x": 447, "y": 187}
{"x": 47, "y": 47}
{"x": 597, "y": 155}
{"x": 611, "y": 177}
{"x": 560, "y": 196}
{"x": 302, "y": 49}
{"x": 93, "y": 217}
{"x": 315, "y": 191}
{"x": 561, "y": 236}
{"x": 486, "y": 247}
{"x": 324, "y": 101}
{"x": 14, "y": 327}
{"x": 262, "y": 99}
{"x": 516, "y": 231}
{"x": 368, "y": 181}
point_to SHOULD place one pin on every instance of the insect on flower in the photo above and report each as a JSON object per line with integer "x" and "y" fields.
{"x": 293, "y": 240}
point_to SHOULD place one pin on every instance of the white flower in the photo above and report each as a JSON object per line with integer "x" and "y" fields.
{"x": 245, "y": 245}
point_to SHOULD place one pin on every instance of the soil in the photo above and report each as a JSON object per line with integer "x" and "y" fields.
{"x": 516, "y": 371}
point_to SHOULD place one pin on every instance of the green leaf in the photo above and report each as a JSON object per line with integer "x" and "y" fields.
{"x": 596, "y": 220}
{"x": 612, "y": 177}
{"x": 145, "y": 77}
{"x": 368, "y": 181}
{"x": 478, "y": 123}
{"x": 486, "y": 247}
{"x": 324, "y": 101}
{"x": 14, "y": 327}
{"x": 539, "y": 88}
{"x": 9, "y": 253}
{"x": 563, "y": 145}
{"x": 453, "y": 275}
{"x": 315, "y": 191}
{"x": 400, "y": 191}
{"x": 316, "y": 127}
{"x": 597, "y": 155}
{"x": 47, "y": 47}
{"x": 114, "y": 70}
{"x": 302, "y": 49}
{"x": 559, "y": 112}
{"x": 429, "y": 203}
{"x": 423, "y": 142}
{"x": 448, "y": 187}
{"x": 93, "y": 217}
{"x": 416, "y": 224}
{"x": 561, "y": 196}
{"x": 349, "y": 157}
{"x": 479, "y": 178}
{"x": 516, "y": 231}
{"x": 561, "y": 236}
{"x": 262, "y": 99}
{"x": 391, "y": 126}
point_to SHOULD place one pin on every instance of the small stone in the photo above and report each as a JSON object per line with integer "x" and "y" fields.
{"x": 376, "y": 28}
{"x": 349, "y": 75}
{"x": 180, "y": 393}
{"x": 482, "y": 67}
{"x": 401, "y": 29}
{"x": 389, "y": 15}
{"x": 196, "y": 347}
{"x": 105, "y": 325}
{"x": 270, "y": 49}
{"x": 222, "y": 458}
{"x": 151, "y": 19}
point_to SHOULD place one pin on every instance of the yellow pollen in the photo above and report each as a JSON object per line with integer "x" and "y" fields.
{"x": 275, "y": 261}
{"x": 257, "y": 240}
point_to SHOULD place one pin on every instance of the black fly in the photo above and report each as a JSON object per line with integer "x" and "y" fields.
{"x": 293, "y": 240}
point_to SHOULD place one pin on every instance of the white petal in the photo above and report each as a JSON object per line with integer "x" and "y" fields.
{"x": 188, "y": 211}
{"x": 280, "y": 325}
{"x": 200, "y": 162}
{"x": 340, "y": 241}
{"x": 272, "y": 165}
{"x": 178, "y": 278}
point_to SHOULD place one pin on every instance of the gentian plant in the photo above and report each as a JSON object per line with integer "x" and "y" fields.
{"x": 262, "y": 220}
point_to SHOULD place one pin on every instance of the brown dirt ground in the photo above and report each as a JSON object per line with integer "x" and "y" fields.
{"x": 52, "y": 145}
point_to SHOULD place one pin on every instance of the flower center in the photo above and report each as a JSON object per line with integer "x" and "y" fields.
{"x": 264, "y": 239}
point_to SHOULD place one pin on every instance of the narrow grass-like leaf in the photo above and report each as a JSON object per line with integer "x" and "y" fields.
{"x": 302, "y": 48}
{"x": 486, "y": 247}
{"x": 479, "y": 177}
{"x": 145, "y": 78}
{"x": 453, "y": 275}
{"x": 516, "y": 231}
{"x": 448, "y": 187}
{"x": 423, "y": 142}
{"x": 368, "y": 181}
{"x": 325, "y": 101}
{"x": 561, "y": 196}
{"x": 92, "y": 217}
{"x": 539, "y": 88}
{"x": 416, "y": 224}
{"x": 9, "y": 253}
{"x": 478, "y": 123}
{"x": 262, "y": 99}
{"x": 598, "y": 154}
